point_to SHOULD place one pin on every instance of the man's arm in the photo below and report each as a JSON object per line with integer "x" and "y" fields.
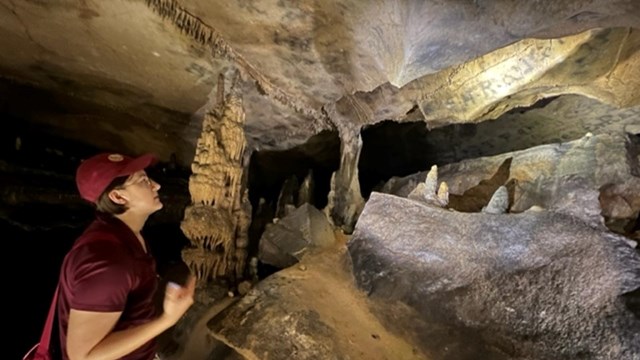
{"x": 90, "y": 336}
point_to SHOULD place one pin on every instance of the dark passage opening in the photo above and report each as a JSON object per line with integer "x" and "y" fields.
{"x": 400, "y": 149}
{"x": 272, "y": 173}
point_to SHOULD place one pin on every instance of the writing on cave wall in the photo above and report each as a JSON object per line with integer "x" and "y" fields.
{"x": 496, "y": 81}
{"x": 474, "y": 87}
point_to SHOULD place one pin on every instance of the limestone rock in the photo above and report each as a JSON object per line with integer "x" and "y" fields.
{"x": 218, "y": 219}
{"x": 285, "y": 242}
{"x": 499, "y": 202}
{"x": 535, "y": 285}
{"x": 310, "y": 314}
{"x": 287, "y": 196}
{"x": 587, "y": 178}
{"x": 426, "y": 191}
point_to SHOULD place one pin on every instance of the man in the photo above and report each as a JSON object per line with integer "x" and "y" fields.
{"x": 108, "y": 279}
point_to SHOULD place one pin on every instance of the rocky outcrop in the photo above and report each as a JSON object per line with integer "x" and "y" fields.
{"x": 595, "y": 178}
{"x": 535, "y": 285}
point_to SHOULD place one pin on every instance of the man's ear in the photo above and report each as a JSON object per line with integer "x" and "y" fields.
{"x": 117, "y": 197}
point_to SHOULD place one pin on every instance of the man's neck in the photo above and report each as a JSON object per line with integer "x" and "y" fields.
{"x": 135, "y": 222}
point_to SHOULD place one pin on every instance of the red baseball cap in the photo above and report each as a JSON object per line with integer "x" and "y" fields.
{"x": 96, "y": 173}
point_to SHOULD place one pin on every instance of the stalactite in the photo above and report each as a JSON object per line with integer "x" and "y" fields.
{"x": 215, "y": 223}
{"x": 206, "y": 35}
{"x": 200, "y": 262}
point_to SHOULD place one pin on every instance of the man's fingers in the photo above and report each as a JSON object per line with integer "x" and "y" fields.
{"x": 173, "y": 289}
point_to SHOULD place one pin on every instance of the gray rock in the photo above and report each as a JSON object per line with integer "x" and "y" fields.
{"x": 535, "y": 285}
{"x": 309, "y": 312}
{"x": 284, "y": 243}
{"x": 591, "y": 178}
{"x": 499, "y": 202}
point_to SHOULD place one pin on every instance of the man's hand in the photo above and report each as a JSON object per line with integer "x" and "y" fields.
{"x": 178, "y": 299}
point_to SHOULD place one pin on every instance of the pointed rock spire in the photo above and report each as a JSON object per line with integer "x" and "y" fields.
{"x": 499, "y": 202}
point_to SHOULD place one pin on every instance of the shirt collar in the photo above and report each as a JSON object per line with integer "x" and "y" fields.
{"x": 123, "y": 232}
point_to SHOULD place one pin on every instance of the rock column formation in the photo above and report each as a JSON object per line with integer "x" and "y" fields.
{"x": 218, "y": 218}
{"x": 345, "y": 201}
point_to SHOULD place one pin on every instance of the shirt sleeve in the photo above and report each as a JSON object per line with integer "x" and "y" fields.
{"x": 102, "y": 277}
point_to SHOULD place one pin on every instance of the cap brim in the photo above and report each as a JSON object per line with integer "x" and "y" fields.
{"x": 139, "y": 163}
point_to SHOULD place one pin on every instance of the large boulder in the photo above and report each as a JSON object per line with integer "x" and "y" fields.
{"x": 534, "y": 285}
{"x": 284, "y": 243}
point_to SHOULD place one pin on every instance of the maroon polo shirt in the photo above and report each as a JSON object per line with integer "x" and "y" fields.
{"x": 107, "y": 270}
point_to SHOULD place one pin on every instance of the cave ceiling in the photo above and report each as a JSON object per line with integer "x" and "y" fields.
{"x": 138, "y": 75}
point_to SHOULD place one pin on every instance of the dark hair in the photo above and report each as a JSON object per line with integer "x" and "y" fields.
{"x": 106, "y": 205}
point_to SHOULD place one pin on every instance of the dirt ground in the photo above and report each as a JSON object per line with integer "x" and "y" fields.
{"x": 321, "y": 282}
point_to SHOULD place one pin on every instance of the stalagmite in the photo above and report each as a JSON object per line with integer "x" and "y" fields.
{"x": 443, "y": 194}
{"x": 499, "y": 202}
{"x": 431, "y": 182}
{"x": 426, "y": 191}
{"x": 217, "y": 220}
